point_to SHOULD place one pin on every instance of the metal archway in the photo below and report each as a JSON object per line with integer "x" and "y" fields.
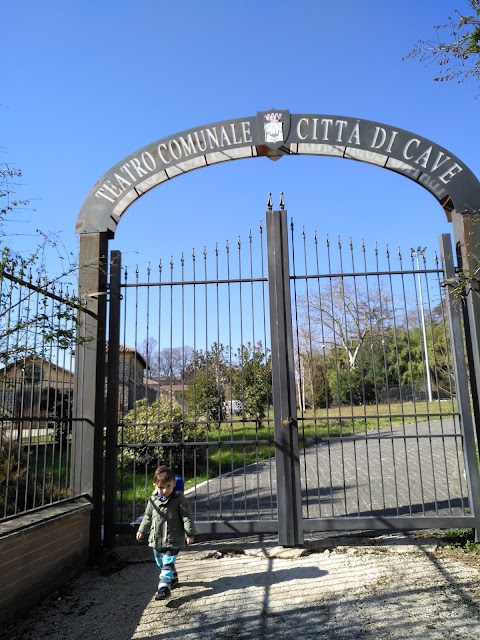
{"x": 276, "y": 133}
{"x": 273, "y": 134}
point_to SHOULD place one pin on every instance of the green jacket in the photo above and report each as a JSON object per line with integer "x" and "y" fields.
{"x": 169, "y": 521}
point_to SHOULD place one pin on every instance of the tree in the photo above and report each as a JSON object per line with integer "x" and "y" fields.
{"x": 252, "y": 381}
{"x": 341, "y": 341}
{"x": 458, "y": 54}
{"x": 344, "y": 316}
{"x": 36, "y": 310}
{"x": 8, "y": 202}
{"x": 148, "y": 349}
{"x": 174, "y": 360}
{"x": 315, "y": 380}
{"x": 169, "y": 362}
{"x": 205, "y": 384}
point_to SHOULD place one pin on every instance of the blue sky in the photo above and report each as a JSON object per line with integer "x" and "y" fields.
{"x": 86, "y": 83}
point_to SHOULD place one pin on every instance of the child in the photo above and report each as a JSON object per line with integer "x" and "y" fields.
{"x": 169, "y": 519}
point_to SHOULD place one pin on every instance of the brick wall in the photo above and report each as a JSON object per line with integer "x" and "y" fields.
{"x": 39, "y": 552}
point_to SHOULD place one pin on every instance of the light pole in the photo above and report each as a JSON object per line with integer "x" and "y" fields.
{"x": 416, "y": 253}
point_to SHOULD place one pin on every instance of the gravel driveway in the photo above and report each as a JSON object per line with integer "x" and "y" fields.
{"x": 400, "y": 587}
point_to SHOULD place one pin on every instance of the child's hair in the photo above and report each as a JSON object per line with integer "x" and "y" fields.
{"x": 163, "y": 474}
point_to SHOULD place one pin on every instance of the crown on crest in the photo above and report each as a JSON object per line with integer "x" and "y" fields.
{"x": 273, "y": 117}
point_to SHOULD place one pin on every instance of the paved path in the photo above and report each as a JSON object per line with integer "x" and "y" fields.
{"x": 415, "y": 470}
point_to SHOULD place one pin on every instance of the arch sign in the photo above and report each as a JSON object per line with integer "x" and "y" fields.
{"x": 275, "y": 133}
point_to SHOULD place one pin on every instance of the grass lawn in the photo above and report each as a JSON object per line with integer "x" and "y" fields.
{"x": 236, "y": 444}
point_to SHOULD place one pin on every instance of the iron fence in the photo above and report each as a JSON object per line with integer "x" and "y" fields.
{"x": 37, "y": 329}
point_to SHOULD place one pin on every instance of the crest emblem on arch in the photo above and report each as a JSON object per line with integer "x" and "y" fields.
{"x": 273, "y": 127}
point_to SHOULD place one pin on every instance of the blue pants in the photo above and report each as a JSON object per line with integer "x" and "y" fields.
{"x": 165, "y": 558}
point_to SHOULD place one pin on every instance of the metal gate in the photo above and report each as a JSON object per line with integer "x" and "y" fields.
{"x": 293, "y": 389}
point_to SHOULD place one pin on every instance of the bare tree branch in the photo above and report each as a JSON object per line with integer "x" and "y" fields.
{"x": 456, "y": 52}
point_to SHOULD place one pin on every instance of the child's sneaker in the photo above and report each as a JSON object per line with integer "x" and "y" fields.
{"x": 162, "y": 594}
{"x": 174, "y": 582}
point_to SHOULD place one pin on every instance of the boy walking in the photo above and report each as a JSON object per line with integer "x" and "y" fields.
{"x": 169, "y": 521}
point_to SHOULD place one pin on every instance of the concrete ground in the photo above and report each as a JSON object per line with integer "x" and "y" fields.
{"x": 394, "y": 586}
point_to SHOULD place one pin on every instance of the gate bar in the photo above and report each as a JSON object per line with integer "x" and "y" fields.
{"x": 290, "y": 527}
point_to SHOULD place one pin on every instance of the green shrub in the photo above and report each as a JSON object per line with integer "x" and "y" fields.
{"x": 158, "y": 433}
{"x": 463, "y": 539}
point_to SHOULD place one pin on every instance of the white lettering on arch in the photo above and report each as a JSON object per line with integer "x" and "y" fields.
{"x": 454, "y": 169}
{"x": 213, "y": 137}
{"x": 324, "y": 133}
{"x": 201, "y": 146}
{"x": 355, "y": 135}
{"x": 151, "y": 165}
{"x": 188, "y": 145}
{"x": 301, "y": 122}
{"x": 224, "y": 137}
{"x": 406, "y": 148}
{"x": 424, "y": 157}
{"x": 161, "y": 148}
{"x": 247, "y": 135}
{"x": 177, "y": 152}
{"x": 138, "y": 167}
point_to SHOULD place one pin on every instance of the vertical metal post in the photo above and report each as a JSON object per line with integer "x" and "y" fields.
{"x": 466, "y": 227}
{"x": 461, "y": 382}
{"x": 289, "y": 503}
{"x": 416, "y": 253}
{"x": 111, "y": 417}
{"x": 89, "y": 391}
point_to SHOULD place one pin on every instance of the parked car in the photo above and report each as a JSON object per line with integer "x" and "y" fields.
{"x": 233, "y": 407}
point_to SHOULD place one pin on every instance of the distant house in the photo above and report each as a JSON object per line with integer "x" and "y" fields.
{"x": 38, "y": 394}
{"x": 35, "y": 394}
{"x": 132, "y": 384}
{"x": 172, "y": 386}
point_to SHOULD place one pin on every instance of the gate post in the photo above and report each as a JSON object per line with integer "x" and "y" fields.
{"x": 111, "y": 416}
{"x": 289, "y": 501}
{"x": 461, "y": 383}
{"x": 89, "y": 389}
